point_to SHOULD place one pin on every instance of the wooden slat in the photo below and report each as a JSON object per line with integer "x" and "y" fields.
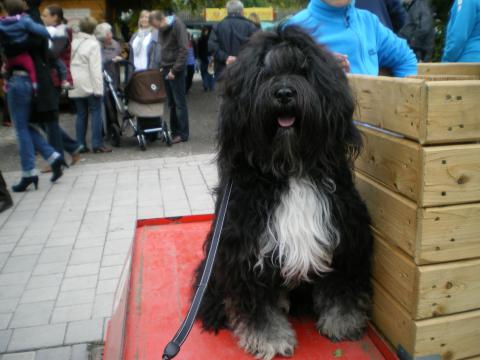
{"x": 449, "y": 337}
{"x": 393, "y": 161}
{"x": 390, "y": 103}
{"x": 453, "y": 113}
{"x": 392, "y": 320}
{"x": 453, "y": 337}
{"x": 430, "y": 235}
{"x": 449, "y": 69}
{"x": 449, "y": 233}
{"x": 451, "y": 174}
{"x": 391, "y": 213}
{"x": 396, "y": 272}
{"x": 448, "y": 288}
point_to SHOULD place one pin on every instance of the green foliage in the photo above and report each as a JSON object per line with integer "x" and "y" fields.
{"x": 441, "y": 9}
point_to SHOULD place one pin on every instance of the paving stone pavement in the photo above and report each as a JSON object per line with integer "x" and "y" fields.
{"x": 64, "y": 247}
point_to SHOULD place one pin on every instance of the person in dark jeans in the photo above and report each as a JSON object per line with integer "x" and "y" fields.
{"x": 229, "y": 35}
{"x": 174, "y": 43}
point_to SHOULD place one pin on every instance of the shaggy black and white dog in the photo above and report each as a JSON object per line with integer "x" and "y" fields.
{"x": 296, "y": 237}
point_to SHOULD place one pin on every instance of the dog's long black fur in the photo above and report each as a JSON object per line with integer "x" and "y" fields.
{"x": 261, "y": 157}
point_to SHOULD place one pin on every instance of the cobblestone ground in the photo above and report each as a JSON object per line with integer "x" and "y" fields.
{"x": 63, "y": 247}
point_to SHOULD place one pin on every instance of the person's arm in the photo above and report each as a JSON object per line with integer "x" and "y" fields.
{"x": 397, "y": 13}
{"x": 35, "y": 28}
{"x": 182, "y": 39}
{"x": 95, "y": 68}
{"x": 460, "y": 26}
{"x": 214, "y": 47}
{"x": 394, "y": 52}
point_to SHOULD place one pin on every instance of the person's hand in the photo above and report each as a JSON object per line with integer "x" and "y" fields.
{"x": 117, "y": 59}
{"x": 343, "y": 61}
{"x": 231, "y": 59}
{"x": 170, "y": 75}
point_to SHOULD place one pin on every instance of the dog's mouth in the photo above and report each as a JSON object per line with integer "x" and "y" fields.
{"x": 286, "y": 121}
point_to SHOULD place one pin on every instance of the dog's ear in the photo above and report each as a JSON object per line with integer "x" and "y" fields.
{"x": 237, "y": 83}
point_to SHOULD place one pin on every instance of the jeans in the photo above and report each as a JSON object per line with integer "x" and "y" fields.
{"x": 207, "y": 79}
{"x": 58, "y": 138}
{"x": 177, "y": 102}
{"x": 92, "y": 104}
{"x": 29, "y": 139}
{"x": 189, "y": 78}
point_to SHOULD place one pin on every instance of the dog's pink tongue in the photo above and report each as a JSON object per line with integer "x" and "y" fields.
{"x": 286, "y": 121}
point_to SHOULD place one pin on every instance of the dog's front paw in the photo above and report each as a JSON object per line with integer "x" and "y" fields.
{"x": 342, "y": 324}
{"x": 265, "y": 344}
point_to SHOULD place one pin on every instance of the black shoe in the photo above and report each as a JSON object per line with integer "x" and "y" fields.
{"x": 57, "y": 169}
{"x": 25, "y": 183}
{"x": 84, "y": 150}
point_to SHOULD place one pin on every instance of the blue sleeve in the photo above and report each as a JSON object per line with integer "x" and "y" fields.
{"x": 35, "y": 28}
{"x": 394, "y": 52}
{"x": 460, "y": 26}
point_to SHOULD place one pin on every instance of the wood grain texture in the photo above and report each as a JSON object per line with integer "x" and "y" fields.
{"x": 392, "y": 320}
{"x": 393, "y": 161}
{"x": 429, "y": 112}
{"x": 391, "y": 213}
{"x": 448, "y": 233}
{"x": 429, "y": 176}
{"x": 453, "y": 114}
{"x": 448, "y": 288}
{"x": 449, "y": 69}
{"x": 390, "y": 103}
{"x": 450, "y": 337}
{"x": 430, "y": 235}
{"x": 451, "y": 174}
{"x": 396, "y": 272}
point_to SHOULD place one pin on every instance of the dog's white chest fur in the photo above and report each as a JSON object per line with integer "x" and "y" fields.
{"x": 300, "y": 236}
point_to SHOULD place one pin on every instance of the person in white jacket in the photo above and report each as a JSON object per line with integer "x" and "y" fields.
{"x": 86, "y": 69}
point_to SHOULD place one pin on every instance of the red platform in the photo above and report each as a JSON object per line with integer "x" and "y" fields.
{"x": 150, "y": 310}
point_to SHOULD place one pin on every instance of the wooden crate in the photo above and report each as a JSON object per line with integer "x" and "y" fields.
{"x": 430, "y": 290}
{"x": 444, "y": 338}
{"x": 447, "y": 69}
{"x": 430, "y": 176}
{"x": 430, "y": 112}
{"x": 428, "y": 235}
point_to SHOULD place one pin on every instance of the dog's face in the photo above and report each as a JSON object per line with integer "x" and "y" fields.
{"x": 286, "y": 106}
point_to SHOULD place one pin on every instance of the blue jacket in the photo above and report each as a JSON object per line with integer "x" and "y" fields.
{"x": 391, "y": 13}
{"x": 463, "y": 32}
{"x": 358, "y": 34}
{"x": 16, "y": 29}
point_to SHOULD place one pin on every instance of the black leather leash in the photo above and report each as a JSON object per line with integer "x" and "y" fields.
{"x": 173, "y": 347}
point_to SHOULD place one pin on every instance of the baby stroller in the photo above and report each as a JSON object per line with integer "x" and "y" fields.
{"x": 137, "y": 98}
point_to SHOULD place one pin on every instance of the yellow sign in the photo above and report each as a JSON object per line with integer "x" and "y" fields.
{"x": 217, "y": 14}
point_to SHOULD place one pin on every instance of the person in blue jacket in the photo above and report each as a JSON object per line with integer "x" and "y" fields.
{"x": 462, "y": 42}
{"x": 358, "y": 35}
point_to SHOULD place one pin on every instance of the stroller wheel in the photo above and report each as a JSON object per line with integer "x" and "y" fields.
{"x": 115, "y": 135}
{"x": 167, "y": 137}
{"x": 142, "y": 142}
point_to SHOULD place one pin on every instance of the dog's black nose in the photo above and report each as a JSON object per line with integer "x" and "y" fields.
{"x": 284, "y": 95}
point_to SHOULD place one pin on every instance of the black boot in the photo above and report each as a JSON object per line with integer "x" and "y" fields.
{"x": 57, "y": 169}
{"x": 25, "y": 183}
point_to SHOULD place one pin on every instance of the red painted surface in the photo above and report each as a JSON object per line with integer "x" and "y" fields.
{"x": 165, "y": 255}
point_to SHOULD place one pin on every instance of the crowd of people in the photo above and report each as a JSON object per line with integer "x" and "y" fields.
{"x": 43, "y": 58}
